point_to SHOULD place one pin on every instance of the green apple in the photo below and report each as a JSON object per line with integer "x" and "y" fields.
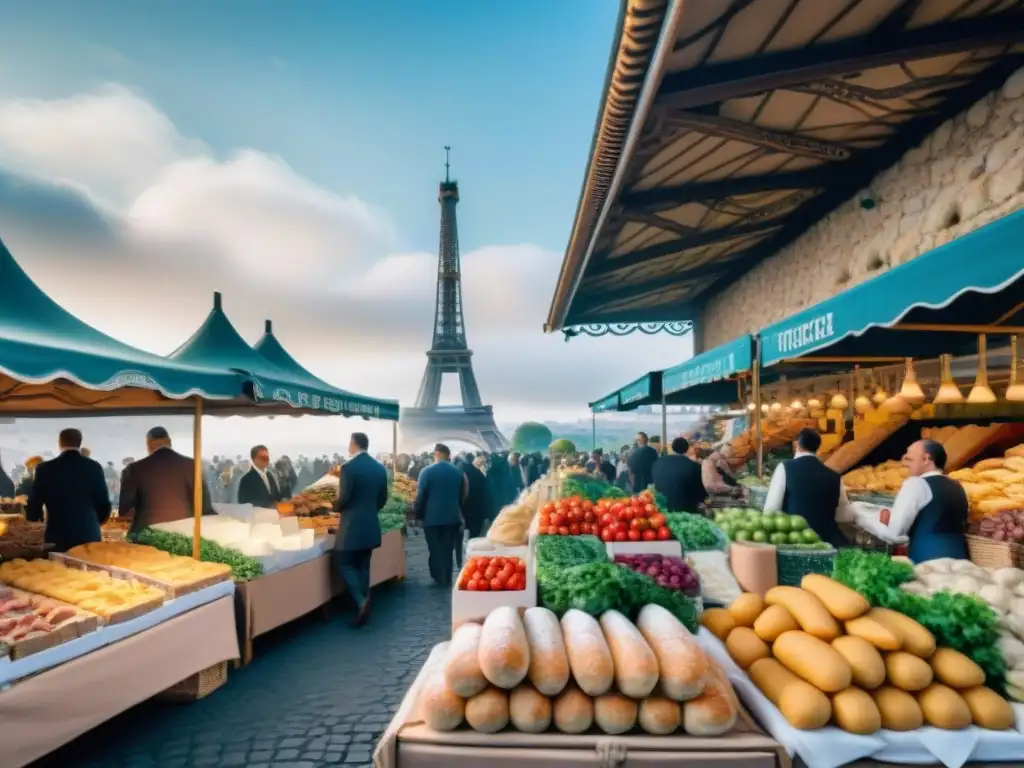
{"x": 795, "y": 537}
{"x": 782, "y": 524}
{"x": 797, "y": 523}
{"x": 759, "y": 536}
{"x": 810, "y": 537}
{"x": 778, "y": 539}
{"x": 742, "y": 535}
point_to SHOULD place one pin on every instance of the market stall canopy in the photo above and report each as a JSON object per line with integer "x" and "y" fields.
{"x": 709, "y": 378}
{"x": 270, "y": 348}
{"x": 53, "y": 364}
{"x": 728, "y": 128}
{"x": 606, "y": 404}
{"x": 644, "y": 391}
{"x": 918, "y": 309}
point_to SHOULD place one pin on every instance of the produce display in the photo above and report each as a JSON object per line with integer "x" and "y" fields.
{"x": 31, "y": 623}
{"x": 821, "y": 653}
{"x": 512, "y": 524}
{"x": 243, "y": 567}
{"x": 995, "y": 486}
{"x": 1001, "y": 588}
{"x": 695, "y": 532}
{"x": 633, "y": 519}
{"x": 318, "y": 500}
{"x": 775, "y": 434}
{"x": 667, "y": 572}
{"x": 404, "y": 487}
{"x": 93, "y": 591}
{"x": 493, "y": 574}
{"x": 152, "y": 562}
{"x": 20, "y": 538}
{"x": 776, "y": 528}
{"x": 539, "y": 672}
{"x": 590, "y": 487}
{"x": 886, "y": 477}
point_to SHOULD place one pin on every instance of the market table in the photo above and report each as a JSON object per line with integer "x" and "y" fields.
{"x": 41, "y": 713}
{"x": 280, "y": 597}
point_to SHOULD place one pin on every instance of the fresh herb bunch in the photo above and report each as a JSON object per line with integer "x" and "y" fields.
{"x": 556, "y": 553}
{"x": 243, "y": 567}
{"x": 961, "y": 622}
{"x": 694, "y": 532}
{"x": 391, "y": 521}
{"x": 590, "y": 487}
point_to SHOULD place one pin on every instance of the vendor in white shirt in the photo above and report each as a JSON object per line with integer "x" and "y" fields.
{"x": 930, "y": 510}
{"x": 258, "y": 486}
{"x": 804, "y": 486}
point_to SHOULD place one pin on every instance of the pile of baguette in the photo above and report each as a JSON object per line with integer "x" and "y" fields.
{"x": 822, "y": 654}
{"x": 534, "y": 671}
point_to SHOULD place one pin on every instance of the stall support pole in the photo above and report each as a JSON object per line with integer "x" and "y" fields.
{"x": 394, "y": 449}
{"x": 197, "y": 478}
{"x": 593, "y": 430}
{"x": 756, "y": 381}
{"x": 664, "y": 426}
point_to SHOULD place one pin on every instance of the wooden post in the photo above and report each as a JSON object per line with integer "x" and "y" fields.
{"x": 394, "y": 449}
{"x": 197, "y": 477}
{"x": 664, "y": 425}
{"x": 756, "y": 379}
{"x": 593, "y": 430}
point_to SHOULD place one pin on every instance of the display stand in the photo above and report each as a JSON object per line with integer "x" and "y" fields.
{"x": 41, "y": 713}
{"x": 283, "y": 596}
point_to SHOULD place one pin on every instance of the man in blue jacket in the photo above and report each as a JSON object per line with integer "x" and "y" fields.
{"x": 440, "y": 492}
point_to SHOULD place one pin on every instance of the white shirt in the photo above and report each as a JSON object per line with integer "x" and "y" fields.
{"x": 266, "y": 481}
{"x": 914, "y": 496}
{"x": 845, "y": 512}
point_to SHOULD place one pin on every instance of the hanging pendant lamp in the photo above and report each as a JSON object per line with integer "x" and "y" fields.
{"x": 839, "y": 401}
{"x": 897, "y": 404}
{"x": 911, "y": 390}
{"x": 949, "y": 392}
{"x": 862, "y": 403}
{"x": 881, "y": 395}
{"x": 813, "y": 403}
{"x": 751, "y": 406}
{"x": 981, "y": 392}
{"x": 1015, "y": 390}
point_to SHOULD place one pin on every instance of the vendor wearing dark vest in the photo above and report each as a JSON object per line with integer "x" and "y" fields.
{"x": 930, "y": 509}
{"x": 804, "y": 486}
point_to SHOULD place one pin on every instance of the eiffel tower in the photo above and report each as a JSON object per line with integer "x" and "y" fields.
{"x": 470, "y": 422}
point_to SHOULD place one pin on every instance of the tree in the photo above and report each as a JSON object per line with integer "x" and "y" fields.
{"x": 562, "y": 448}
{"x": 530, "y": 437}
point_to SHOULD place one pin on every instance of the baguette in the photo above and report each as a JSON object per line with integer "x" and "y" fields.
{"x": 443, "y": 710}
{"x": 714, "y": 712}
{"x": 636, "y": 667}
{"x": 659, "y": 716}
{"x": 462, "y": 669}
{"x": 590, "y": 659}
{"x": 529, "y": 711}
{"x": 684, "y": 666}
{"x": 487, "y": 712}
{"x": 504, "y": 652}
{"x": 814, "y": 660}
{"x": 615, "y": 713}
{"x": 573, "y": 711}
{"x": 549, "y": 664}
{"x": 809, "y": 612}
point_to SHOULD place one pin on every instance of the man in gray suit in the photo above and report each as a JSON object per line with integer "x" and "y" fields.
{"x": 159, "y": 488}
{"x": 440, "y": 492}
{"x": 362, "y": 493}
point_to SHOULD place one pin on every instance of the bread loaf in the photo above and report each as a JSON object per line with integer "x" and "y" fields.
{"x": 714, "y": 711}
{"x": 813, "y": 660}
{"x": 746, "y": 647}
{"x": 487, "y": 712}
{"x": 636, "y": 668}
{"x": 442, "y": 709}
{"x": 573, "y": 710}
{"x": 746, "y": 608}
{"x": 504, "y": 652}
{"x": 529, "y": 710}
{"x": 988, "y": 708}
{"x": 914, "y": 638}
{"x": 944, "y": 708}
{"x": 659, "y": 715}
{"x": 898, "y": 709}
{"x": 841, "y": 601}
{"x": 615, "y": 713}
{"x": 864, "y": 659}
{"x": 462, "y": 669}
{"x": 718, "y": 621}
{"x": 908, "y": 672}
{"x": 956, "y": 670}
{"x": 803, "y": 705}
{"x": 683, "y": 665}
{"x": 854, "y": 711}
{"x": 590, "y": 659}
{"x": 773, "y": 622}
{"x": 549, "y": 664}
{"x": 808, "y": 611}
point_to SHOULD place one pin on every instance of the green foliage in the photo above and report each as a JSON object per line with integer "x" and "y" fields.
{"x": 563, "y": 447}
{"x": 556, "y": 553}
{"x": 962, "y": 622}
{"x": 530, "y": 437}
{"x": 590, "y": 487}
{"x": 243, "y": 567}
{"x": 694, "y": 532}
{"x": 392, "y": 516}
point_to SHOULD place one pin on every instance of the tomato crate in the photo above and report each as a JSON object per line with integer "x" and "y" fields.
{"x": 475, "y": 606}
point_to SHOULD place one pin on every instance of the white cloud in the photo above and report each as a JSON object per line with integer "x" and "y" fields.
{"x": 323, "y": 265}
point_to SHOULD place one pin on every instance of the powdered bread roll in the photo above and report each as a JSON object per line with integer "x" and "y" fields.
{"x": 549, "y": 664}
{"x": 442, "y": 709}
{"x": 636, "y": 668}
{"x": 684, "y": 666}
{"x": 615, "y": 713}
{"x": 714, "y": 711}
{"x": 590, "y": 659}
{"x": 529, "y": 710}
{"x": 659, "y": 715}
{"x": 573, "y": 711}
{"x": 487, "y": 712}
{"x": 462, "y": 670}
{"x": 504, "y": 652}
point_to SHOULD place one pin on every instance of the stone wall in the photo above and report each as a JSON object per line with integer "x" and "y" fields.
{"x": 969, "y": 172}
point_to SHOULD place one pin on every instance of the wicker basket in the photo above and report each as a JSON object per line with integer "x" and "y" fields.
{"x": 794, "y": 564}
{"x": 989, "y": 553}
{"x": 197, "y": 686}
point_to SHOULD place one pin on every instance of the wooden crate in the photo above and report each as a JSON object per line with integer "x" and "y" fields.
{"x": 197, "y": 686}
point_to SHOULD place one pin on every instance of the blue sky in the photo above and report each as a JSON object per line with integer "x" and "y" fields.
{"x": 288, "y": 154}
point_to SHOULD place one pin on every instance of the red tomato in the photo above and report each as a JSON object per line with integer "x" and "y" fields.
{"x": 557, "y": 520}
{"x": 621, "y": 536}
{"x": 574, "y": 529}
{"x": 483, "y": 585}
{"x": 544, "y": 519}
{"x": 616, "y": 508}
{"x": 649, "y": 509}
{"x": 506, "y": 571}
{"x": 640, "y": 524}
{"x": 589, "y": 516}
{"x": 497, "y": 585}
{"x": 542, "y": 530}
{"x": 650, "y": 535}
{"x": 607, "y": 519}
{"x": 646, "y": 496}
{"x": 587, "y": 505}
{"x": 499, "y": 562}
{"x": 634, "y": 535}
{"x": 607, "y": 534}
{"x": 626, "y": 514}
{"x": 520, "y": 566}
{"x": 664, "y": 534}
{"x": 657, "y": 520}
{"x": 490, "y": 573}
{"x": 548, "y": 508}
{"x": 471, "y": 585}
{"x": 563, "y": 530}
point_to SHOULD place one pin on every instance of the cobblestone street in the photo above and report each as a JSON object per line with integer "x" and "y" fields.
{"x": 317, "y": 693}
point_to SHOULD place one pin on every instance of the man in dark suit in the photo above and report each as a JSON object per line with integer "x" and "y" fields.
{"x": 160, "y": 487}
{"x": 474, "y": 507}
{"x": 641, "y": 464}
{"x": 258, "y": 486}
{"x": 678, "y": 478}
{"x": 74, "y": 492}
{"x": 362, "y": 493}
{"x": 441, "y": 491}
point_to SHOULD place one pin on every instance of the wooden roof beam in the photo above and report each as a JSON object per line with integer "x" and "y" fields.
{"x": 621, "y": 292}
{"x": 729, "y": 80}
{"x": 766, "y": 138}
{"x": 699, "y": 191}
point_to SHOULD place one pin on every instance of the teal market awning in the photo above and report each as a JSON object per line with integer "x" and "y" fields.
{"x": 708, "y": 378}
{"x": 606, "y": 404}
{"x": 977, "y": 279}
{"x": 269, "y": 347}
{"x": 52, "y": 363}
{"x": 644, "y": 391}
